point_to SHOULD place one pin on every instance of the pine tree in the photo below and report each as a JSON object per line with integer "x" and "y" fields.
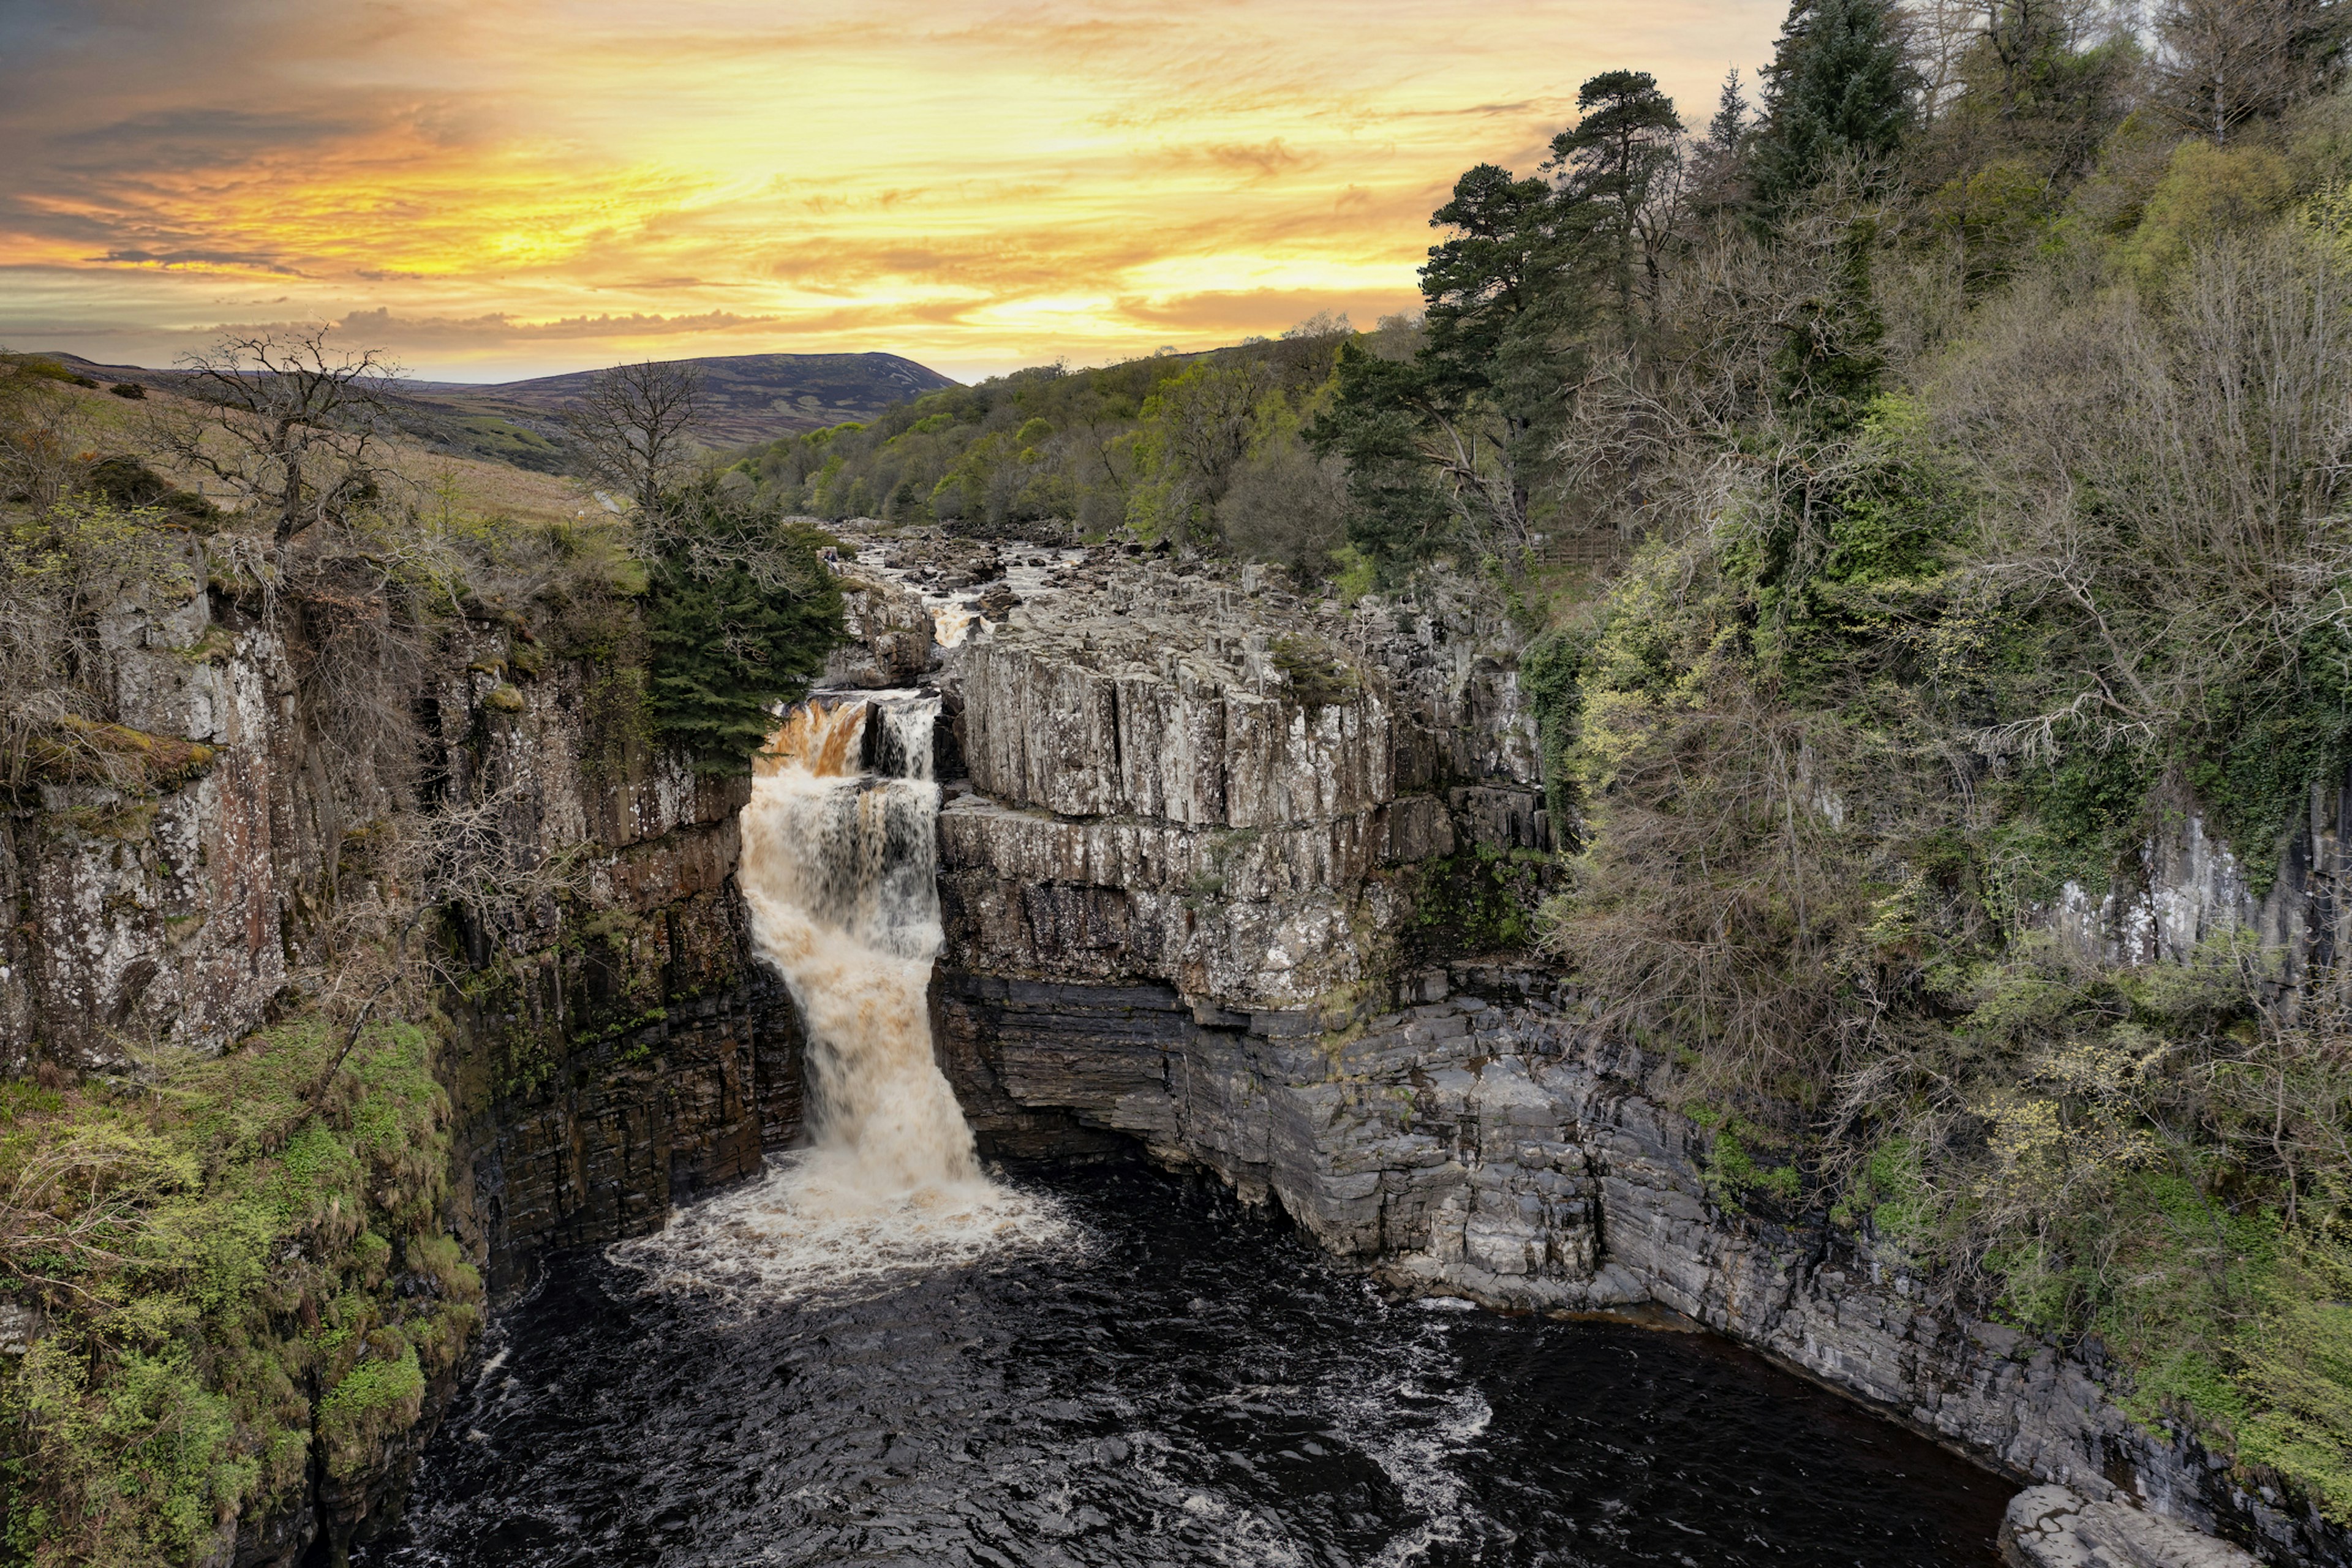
{"x": 1728, "y": 129}
{"x": 739, "y": 614}
{"x": 1838, "y": 88}
{"x": 1619, "y": 168}
{"x": 1717, "y": 164}
{"x": 1447, "y": 448}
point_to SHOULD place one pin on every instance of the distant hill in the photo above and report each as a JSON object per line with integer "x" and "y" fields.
{"x": 752, "y": 398}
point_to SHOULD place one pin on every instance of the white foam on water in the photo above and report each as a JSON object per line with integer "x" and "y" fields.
{"x": 815, "y": 1223}
{"x": 1415, "y": 1436}
{"x": 840, "y": 873}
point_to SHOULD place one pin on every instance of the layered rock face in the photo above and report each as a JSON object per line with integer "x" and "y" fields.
{"x": 888, "y": 635}
{"x": 1189, "y": 779}
{"x": 608, "y": 1055}
{"x": 1182, "y": 882}
{"x": 152, "y": 910}
{"x": 603, "y": 1066}
{"x": 1507, "y": 1150}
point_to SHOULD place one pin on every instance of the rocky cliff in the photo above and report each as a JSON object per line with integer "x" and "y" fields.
{"x": 1190, "y": 883}
{"x": 604, "y": 1044}
{"x": 2189, "y": 886}
{"x": 1194, "y": 779}
{"x": 1227, "y": 873}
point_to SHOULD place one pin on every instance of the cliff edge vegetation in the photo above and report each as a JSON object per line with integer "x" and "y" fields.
{"x": 233, "y": 1276}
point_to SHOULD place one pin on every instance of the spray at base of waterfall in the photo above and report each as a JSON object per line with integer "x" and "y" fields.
{"x": 840, "y": 874}
{"x": 813, "y": 1224}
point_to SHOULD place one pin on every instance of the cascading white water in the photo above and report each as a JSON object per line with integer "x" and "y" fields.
{"x": 840, "y": 870}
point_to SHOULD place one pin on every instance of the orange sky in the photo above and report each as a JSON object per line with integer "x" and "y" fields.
{"x": 508, "y": 188}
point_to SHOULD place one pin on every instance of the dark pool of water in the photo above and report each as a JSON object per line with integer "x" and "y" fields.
{"x": 1193, "y": 1385}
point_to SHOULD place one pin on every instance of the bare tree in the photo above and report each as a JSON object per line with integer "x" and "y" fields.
{"x": 634, "y": 429}
{"x": 37, "y": 437}
{"x": 2225, "y": 62}
{"x": 290, "y": 423}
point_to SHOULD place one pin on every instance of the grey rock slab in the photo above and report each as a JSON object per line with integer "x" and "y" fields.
{"x": 2056, "y": 1527}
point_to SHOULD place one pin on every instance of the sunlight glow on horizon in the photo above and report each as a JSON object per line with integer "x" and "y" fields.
{"x": 504, "y": 189}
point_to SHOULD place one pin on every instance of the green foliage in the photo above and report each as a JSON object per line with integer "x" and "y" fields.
{"x": 1048, "y": 448}
{"x": 1830, "y": 365}
{"x": 1401, "y": 512}
{"x": 44, "y": 368}
{"x": 1618, "y": 159}
{"x": 739, "y": 614}
{"x": 1889, "y": 1190}
{"x": 1448, "y": 450}
{"x": 2208, "y": 192}
{"x": 1732, "y": 1174}
{"x": 1995, "y": 215}
{"x": 1838, "y": 91}
{"x": 1476, "y": 903}
{"x": 502, "y": 440}
{"x": 1549, "y": 672}
{"x": 2252, "y": 763}
{"x": 1912, "y": 661}
{"x": 2075, "y": 816}
{"x": 1192, "y": 436}
{"x": 227, "y": 1264}
{"x": 1319, "y": 674}
{"x": 130, "y": 485}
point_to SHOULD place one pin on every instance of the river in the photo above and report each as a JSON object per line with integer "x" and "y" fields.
{"x": 883, "y": 1351}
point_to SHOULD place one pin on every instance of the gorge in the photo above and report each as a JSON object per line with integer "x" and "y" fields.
{"x": 1685, "y": 904}
{"x": 1191, "y": 839}
{"x": 1111, "y": 1319}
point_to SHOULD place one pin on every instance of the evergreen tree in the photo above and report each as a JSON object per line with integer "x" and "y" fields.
{"x": 739, "y": 614}
{"x": 1716, "y": 183}
{"x": 1728, "y": 130}
{"x": 1618, "y": 169}
{"x": 1450, "y": 443}
{"x": 1838, "y": 87}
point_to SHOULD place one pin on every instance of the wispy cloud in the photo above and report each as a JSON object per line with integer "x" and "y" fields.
{"x": 542, "y": 183}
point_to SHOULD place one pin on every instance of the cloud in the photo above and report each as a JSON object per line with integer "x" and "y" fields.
{"x": 1260, "y": 160}
{"x": 180, "y": 140}
{"x": 1262, "y": 309}
{"x": 227, "y": 259}
{"x": 976, "y": 180}
{"x": 381, "y": 326}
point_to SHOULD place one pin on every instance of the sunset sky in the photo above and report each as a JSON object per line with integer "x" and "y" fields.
{"x": 510, "y": 188}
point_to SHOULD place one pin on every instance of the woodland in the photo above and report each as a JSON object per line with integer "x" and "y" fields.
{"x": 1917, "y": 481}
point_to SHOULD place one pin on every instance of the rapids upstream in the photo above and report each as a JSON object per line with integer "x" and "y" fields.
{"x": 880, "y": 1352}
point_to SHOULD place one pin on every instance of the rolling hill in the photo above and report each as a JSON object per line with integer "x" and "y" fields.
{"x": 750, "y": 399}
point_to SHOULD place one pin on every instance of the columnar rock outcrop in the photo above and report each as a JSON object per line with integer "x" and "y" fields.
{"x": 2189, "y": 886}
{"x": 1170, "y": 777}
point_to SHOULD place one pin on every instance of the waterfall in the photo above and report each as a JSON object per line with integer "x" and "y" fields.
{"x": 840, "y": 872}
{"x": 840, "y": 869}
